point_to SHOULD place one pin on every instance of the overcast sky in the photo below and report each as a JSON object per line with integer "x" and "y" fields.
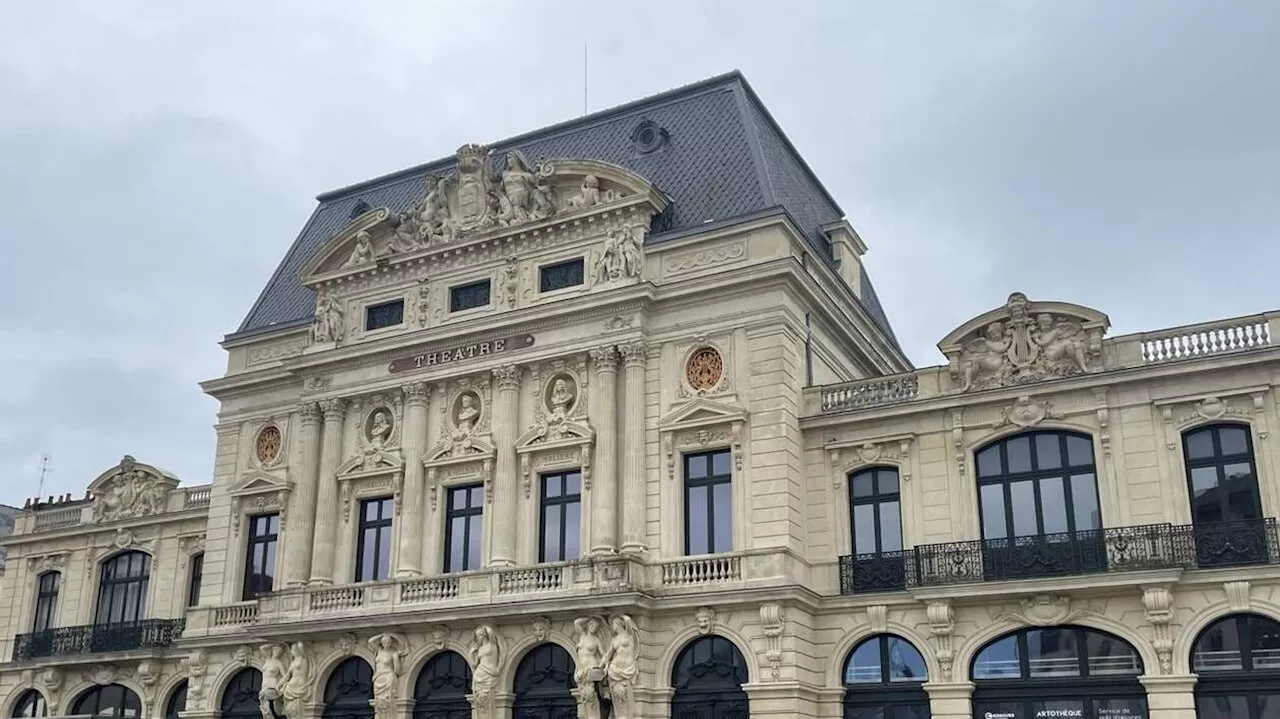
{"x": 157, "y": 160}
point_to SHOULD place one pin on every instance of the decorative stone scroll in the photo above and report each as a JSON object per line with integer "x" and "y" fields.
{"x": 465, "y": 449}
{"x": 130, "y": 490}
{"x": 772, "y": 622}
{"x": 560, "y": 436}
{"x": 1025, "y": 412}
{"x": 1024, "y": 342}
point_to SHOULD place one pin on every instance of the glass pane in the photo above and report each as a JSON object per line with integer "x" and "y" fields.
{"x": 572, "y": 530}
{"x": 697, "y": 466}
{"x": 722, "y": 505}
{"x": 1084, "y": 502}
{"x": 573, "y": 483}
{"x": 1053, "y": 505}
{"x": 1269, "y": 706}
{"x": 999, "y": 710}
{"x": 863, "y": 484}
{"x": 384, "y": 554}
{"x": 1110, "y": 655}
{"x": 551, "y": 534}
{"x": 552, "y": 485}
{"x": 905, "y": 662}
{"x": 864, "y": 664}
{"x": 1242, "y": 492}
{"x": 1079, "y": 451}
{"x": 721, "y": 464}
{"x": 989, "y": 462}
{"x": 696, "y": 513}
{"x": 1022, "y": 501}
{"x": 1236, "y": 707}
{"x": 998, "y": 661}
{"x": 475, "y": 527}
{"x": 1053, "y": 653}
{"x": 1218, "y": 649}
{"x": 890, "y": 527}
{"x": 1203, "y": 479}
{"x": 457, "y": 544}
{"x": 1199, "y": 444}
{"x": 887, "y": 480}
{"x": 367, "y": 559}
{"x": 459, "y": 500}
{"x": 370, "y": 511}
{"x": 1058, "y": 708}
{"x": 993, "y": 522}
{"x": 1264, "y": 643}
{"x": 1018, "y": 452}
{"x": 1234, "y": 440}
{"x": 1133, "y": 708}
{"x": 1048, "y": 451}
{"x": 864, "y": 529}
{"x": 859, "y": 713}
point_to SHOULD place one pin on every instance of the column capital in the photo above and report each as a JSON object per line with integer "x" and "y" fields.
{"x": 310, "y": 412}
{"x": 416, "y": 392}
{"x": 635, "y": 353}
{"x": 333, "y": 408}
{"x": 605, "y": 358}
{"x": 507, "y": 377}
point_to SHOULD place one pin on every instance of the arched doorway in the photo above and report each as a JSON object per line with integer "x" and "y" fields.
{"x": 1237, "y": 659}
{"x": 30, "y": 705}
{"x": 442, "y": 688}
{"x": 1058, "y": 672}
{"x": 707, "y": 677}
{"x": 884, "y": 679}
{"x": 349, "y": 690}
{"x": 542, "y": 684}
{"x": 111, "y": 700}
{"x": 177, "y": 701}
{"x": 240, "y": 697}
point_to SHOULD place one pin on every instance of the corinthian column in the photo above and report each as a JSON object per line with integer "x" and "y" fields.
{"x": 634, "y": 355}
{"x": 604, "y": 473}
{"x": 323, "y": 547}
{"x": 413, "y": 438}
{"x": 503, "y": 523}
{"x": 302, "y": 527}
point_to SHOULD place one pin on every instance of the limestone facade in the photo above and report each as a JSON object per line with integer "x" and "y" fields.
{"x": 728, "y": 355}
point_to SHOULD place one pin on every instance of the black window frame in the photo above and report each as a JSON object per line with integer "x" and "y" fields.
{"x": 543, "y": 683}
{"x": 875, "y": 499}
{"x": 177, "y": 701}
{"x": 900, "y": 698}
{"x": 1037, "y": 474}
{"x": 48, "y": 585}
{"x": 1249, "y": 682}
{"x": 710, "y": 481}
{"x": 562, "y": 275}
{"x": 114, "y": 588}
{"x": 441, "y": 688}
{"x": 379, "y": 316}
{"x": 461, "y": 299}
{"x": 707, "y": 678}
{"x": 239, "y": 698}
{"x": 381, "y": 529}
{"x": 1220, "y": 461}
{"x": 195, "y": 578}
{"x": 466, "y": 515}
{"x": 256, "y": 583}
{"x": 31, "y": 705}
{"x": 129, "y": 700}
{"x": 348, "y": 692}
{"x": 562, "y": 501}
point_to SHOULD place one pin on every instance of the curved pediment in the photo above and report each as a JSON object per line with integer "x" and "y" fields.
{"x": 130, "y": 489}
{"x": 476, "y": 200}
{"x": 1024, "y": 341}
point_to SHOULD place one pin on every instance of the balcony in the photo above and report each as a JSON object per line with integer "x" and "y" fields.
{"x": 1118, "y": 549}
{"x": 97, "y": 638}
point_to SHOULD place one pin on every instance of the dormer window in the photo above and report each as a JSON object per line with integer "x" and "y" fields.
{"x": 387, "y": 314}
{"x": 469, "y": 296}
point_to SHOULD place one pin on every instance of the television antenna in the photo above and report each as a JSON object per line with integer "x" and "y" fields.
{"x": 44, "y": 469}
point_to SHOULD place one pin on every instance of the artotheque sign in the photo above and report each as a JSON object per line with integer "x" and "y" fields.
{"x": 460, "y": 353}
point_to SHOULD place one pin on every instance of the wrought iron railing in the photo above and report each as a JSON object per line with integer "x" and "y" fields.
{"x": 1117, "y": 549}
{"x": 97, "y": 638}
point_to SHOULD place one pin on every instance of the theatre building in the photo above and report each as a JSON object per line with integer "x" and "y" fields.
{"x": 607, "y": 420}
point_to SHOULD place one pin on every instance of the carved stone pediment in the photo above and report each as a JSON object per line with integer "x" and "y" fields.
{"x": 702, "y": 423}
{"x": 257, "y": 493}
{"x": 845, "y": 457}
{"x": 1023, "y": 342}
{"x": 130, "y": 489}
{"x": 485, "y": 194}
{"x": 370, "y": 483}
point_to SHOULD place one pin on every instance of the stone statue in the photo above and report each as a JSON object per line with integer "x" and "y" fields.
{"x": 544, "y": 201}
{"x": 485, "y": 655}
{"x": 588, "y": 195}
{"x": 297, "y": 680}
{"x": 632, "y": 259}
{"x": 434, "y": 223}
{"x": 1061, "y": 342}
{"x": 363, "y": 251}
{"x": 389, "y": 650}
{"x": 518, "y": 185}
{"x": 621, "y": 667}
{"x": 328, "y": 325}
{"x": 273, "y": 671}
{"x": 609, "y": 264}
{"x": 589, "y": 665}
{"x": 467, "y": 412}
{"x": 132, "y": 492}
{"x": 561, "y": 396}
{"x": 985, "y": 355}
{"x": 380, "y": 429}
{"x": 621, "y": 257}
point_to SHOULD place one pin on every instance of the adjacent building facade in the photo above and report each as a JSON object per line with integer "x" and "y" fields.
{"x": 607, "y": 420}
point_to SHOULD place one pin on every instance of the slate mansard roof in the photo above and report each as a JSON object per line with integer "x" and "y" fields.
{"x": 724, "y": 158}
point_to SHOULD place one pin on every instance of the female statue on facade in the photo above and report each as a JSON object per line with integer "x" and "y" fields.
{"x": 620, "y": 665}
{"x": 297, "y": 680}
{"x": 484, "y": 660}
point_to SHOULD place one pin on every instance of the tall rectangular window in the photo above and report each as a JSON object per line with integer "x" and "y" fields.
{"x": 560, "y": 275}
{"x": 194, "y": 579}
{"x": 373, "y": 548}
{"x": 387, "y": 314}
{"x": 561, "y": 517}
{"x": 708, "y": 504}
{"x": 260, "y": 556}
{"x": 464, "y": 522}
{"x": 465, "y": 297}
{"x": 46, "y": 600}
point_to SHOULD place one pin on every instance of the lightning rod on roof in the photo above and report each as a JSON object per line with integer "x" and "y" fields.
{"x": 44, "y": 469}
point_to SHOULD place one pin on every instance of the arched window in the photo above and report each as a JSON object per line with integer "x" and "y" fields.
{"x": 31, "y": 704}
{"x": 1075, "y": 671}
{"x": 47, "y": 586}
{"x": 883, "y": 679}
{"x": 1226, "y": 510}
{"x": 875, "y": 519}
{"x": 442, "y": 688}
{"x": 542, "y": 685}
{"x": 177, "y": 701}
{"x": 122, "y": 589}
{"x": 707, "y": 677}
{"x": 1038, "y": 502}
{"x": 111, "y": 700}
{"x": 1238, "y": 662}
{"x": 349, "y": 690}
{"x": 240, "y": 697}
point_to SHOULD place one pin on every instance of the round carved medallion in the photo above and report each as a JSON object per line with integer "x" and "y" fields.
{"x": 704, "y": 369}
{"x": 268, "y": 445}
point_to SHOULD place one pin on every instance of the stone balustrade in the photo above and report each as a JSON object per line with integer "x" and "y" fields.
{"x": 234, "y": 615}
{"x": 1206, "y": 340}
{"x": 57, "y": 518}
{"x": 197, "y": 497}
{"x": 712, "y": 569}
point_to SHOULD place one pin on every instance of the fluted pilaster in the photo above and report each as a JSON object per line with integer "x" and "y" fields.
{"x": 505, "y": 476}
{"x": 604, "y": 473}
{"x": 634, "y": 356}
{"x": 324, "y": 545}
{"x": 302, "y": 527}
{"x": 413, "y": 440}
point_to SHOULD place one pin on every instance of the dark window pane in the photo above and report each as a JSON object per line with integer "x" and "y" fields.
{"x": 1084, "y": 500}
{"x": 473, "y": 542}
{"x": 387, "y": 314}
{"x": 905, "y": 662}
{"x": 993, "y": 520}
{"x": 722, "y": 507}
{"x": 1199, "y": 444}
{"x": 1107, "y": 655}
{"x": 890, "y": 527}
{"x": 1232, "y": 707}
{"x": 1048, "y": 451}
{"x": 560, "y": 275}
{"x": 721, "y": 464}
{"x": 864, "y": 665}
{"x": 989, "y": 462}
{"x": 998, "y": 661}
{"x": 552, "y": 483}
{"x": 1203, "y": 480}
{"x": 1058, "y": 708}
{"x": 863, "y": 484}
{"x": 459, "y": 500}
{"x": 864, "y": 529}
{"x": 1018, "y": 451}
{"x": 696, "y": 511}
{"x": 886, "y": 481}
{"x": 1264, "y": 643}
{"x": 465, "y": 297}
{"x": 573, "y": 483}
{"x": 1079, "y": 451}
{"x": 1053, "y": 505}
{"x": 573, "y": 530}
{"x": 697, "y": 466}
{"x": 1234, "y": 440}
{"x": 457, "y": 545}
{"x": 1133, "y": 708}
{"x": 477, "y": 496}
{"x": 1022, "y": 500}
{"x": 551, "y": 534}
{"x": 1053, "y": 653}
